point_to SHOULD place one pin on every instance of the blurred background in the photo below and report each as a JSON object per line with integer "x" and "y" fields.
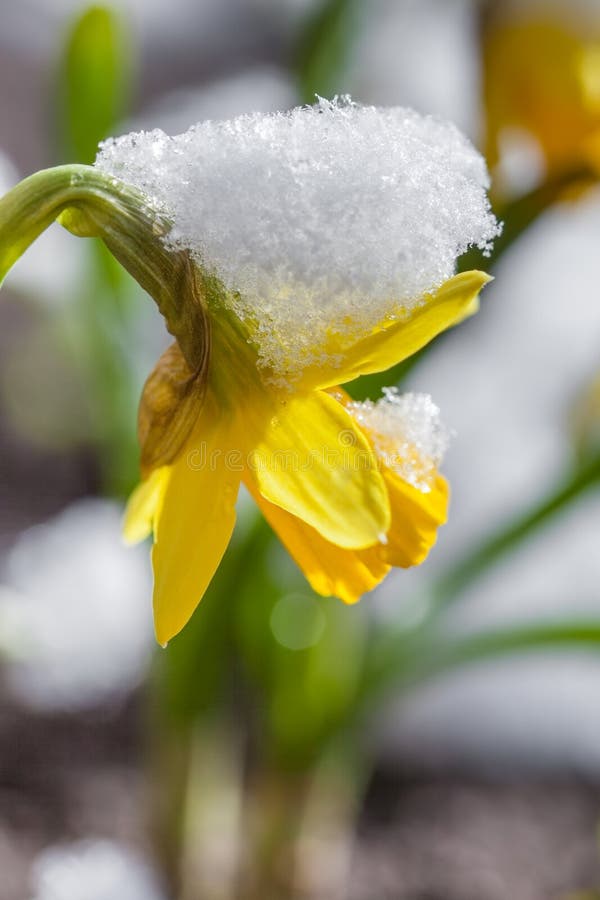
{"x": 441, "y": 741}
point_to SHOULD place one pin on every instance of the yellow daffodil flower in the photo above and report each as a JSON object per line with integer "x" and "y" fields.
{"x": 542, "y": 78}
{"x": 345, "y": 516}
{"x": 290, "y": 254}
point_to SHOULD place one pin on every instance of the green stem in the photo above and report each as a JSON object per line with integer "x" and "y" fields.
{"x": 584, "y": 635}
{"x": 275, "y": 808}
{"x": 450, "y": 585}
{"x": 402, "y": 662}
{"x": 90, "y": 203}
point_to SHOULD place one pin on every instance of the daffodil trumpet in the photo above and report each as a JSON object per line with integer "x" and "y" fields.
{"x": 351, "y": 489}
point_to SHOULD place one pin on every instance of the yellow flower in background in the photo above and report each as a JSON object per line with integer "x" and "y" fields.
{"x": 542, "y": 77}
{"x": 289, "y": 254}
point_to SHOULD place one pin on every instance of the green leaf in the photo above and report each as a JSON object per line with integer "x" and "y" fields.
{"x": 302, "y": 655}
{"x": 569, "y": 634}
{"x": 324, "y": 47}
{"x": 95, "y": 81}
{"x": 400, "y": 661}
{"x": 449, "y": 586}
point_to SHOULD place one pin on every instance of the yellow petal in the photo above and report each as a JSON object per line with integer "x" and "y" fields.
{"x": 392, "y": 343}
{"x": 416, "y": 517}
{"x": 193, "y": 525}
{"x": 142, "y": 506}
{"x": 308, "y": 456}
{"x": 330, "y": 570}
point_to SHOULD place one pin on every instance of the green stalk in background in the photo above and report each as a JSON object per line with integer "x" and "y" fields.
{"x": 95, "y": 85}
{"x": 323, "y": 48}
{"x": 95, "y": 82}
{"x": 429, "y": 654}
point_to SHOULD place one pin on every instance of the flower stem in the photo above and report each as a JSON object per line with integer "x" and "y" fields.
{"x": 89, "y": 203}
{"x": 275, "y": 807}
{"x": 301, "y": 826}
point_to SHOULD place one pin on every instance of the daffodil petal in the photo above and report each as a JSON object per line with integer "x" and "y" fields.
{"x": 143, "y": 503}
{"x": 416, "y": 517}
{"x": 307, "y": 455}
{"x": 392, "y": 343}
{"x": 193, "y": 525}
{"x": 330, "y": 570}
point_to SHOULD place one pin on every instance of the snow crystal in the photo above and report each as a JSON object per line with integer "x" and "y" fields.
{"x": 407, "y": 434}
{"x": 322, "y": 221}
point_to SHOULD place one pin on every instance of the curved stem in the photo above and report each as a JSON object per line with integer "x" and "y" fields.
{"x": 90, "y": 203}
{"x": 403, "y": 663}
{"x": 571, "y": 634}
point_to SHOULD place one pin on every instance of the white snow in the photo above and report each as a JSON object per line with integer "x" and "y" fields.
{"x": 406, "y": 432}
{"x": 325, "y": 220}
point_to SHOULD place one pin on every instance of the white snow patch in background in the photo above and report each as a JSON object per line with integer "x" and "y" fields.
{"x": 75, "y": 610}
{"x": 536, "y": 714}
{"x": 93, "y": 870}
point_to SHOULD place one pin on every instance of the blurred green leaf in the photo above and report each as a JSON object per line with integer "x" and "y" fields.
{"x": 95, "y": 81}
{"x": 448, "y": 588}
{"x": 323, "y": 48}
{"x": 305, "y": 675}
{"x": 195, "y": 671}
{"x": 398, "y": 662}
{"x": 93, "y": 94}
{"x": 398, "y": 656}
{"x": 567, "y": 634}
{"x": 313, "y": 690}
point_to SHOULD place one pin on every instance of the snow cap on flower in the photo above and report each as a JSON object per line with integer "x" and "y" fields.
{"x": 327, "y": 220}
